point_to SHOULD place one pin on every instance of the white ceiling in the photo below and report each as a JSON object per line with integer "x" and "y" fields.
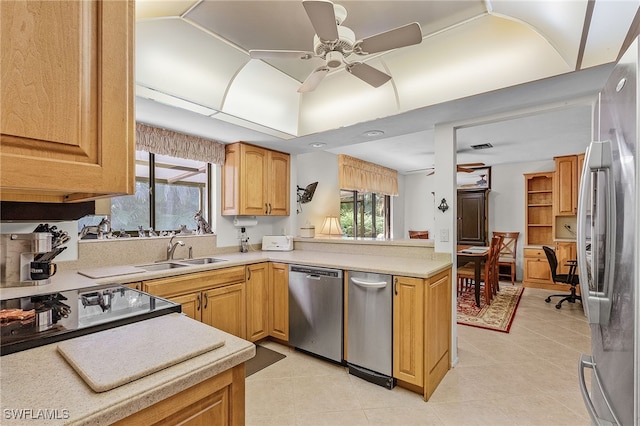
{"x": 523, "y": 74}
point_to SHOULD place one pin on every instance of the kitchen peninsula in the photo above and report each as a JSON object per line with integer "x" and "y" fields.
{"x": 214, "y": 379}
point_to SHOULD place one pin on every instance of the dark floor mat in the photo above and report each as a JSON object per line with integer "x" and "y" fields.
{"x": 264, "y": 358}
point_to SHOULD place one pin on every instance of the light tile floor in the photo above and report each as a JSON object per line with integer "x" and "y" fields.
{"x": 525, "y": 377}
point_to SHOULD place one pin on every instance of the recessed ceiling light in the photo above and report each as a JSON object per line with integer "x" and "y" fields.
{"x": 317, "y": 144}
{"x": 373, "y": 133}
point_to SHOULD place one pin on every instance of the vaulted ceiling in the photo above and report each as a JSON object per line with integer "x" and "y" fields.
{"x": 540, "y": 61}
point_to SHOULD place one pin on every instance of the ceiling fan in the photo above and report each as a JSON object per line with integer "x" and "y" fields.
{"x": 336, "y": 44}
{"x": 465, "y": 168}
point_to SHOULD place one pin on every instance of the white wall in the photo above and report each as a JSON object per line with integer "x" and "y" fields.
{"x": 321, "y": 167}
{"x": 419, "y": 203}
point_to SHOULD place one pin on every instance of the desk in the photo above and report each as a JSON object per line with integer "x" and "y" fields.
{"x": 475, "y": 255}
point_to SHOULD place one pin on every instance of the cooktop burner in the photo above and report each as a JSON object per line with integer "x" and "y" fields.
{"x": 28, "y": 322}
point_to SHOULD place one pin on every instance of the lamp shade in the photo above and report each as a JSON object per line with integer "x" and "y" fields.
{"x": 331, "y": 226}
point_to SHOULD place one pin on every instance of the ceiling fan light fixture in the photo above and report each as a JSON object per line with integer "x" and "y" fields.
{"x": 334, "y": 59}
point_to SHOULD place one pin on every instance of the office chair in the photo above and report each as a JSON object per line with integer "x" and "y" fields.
{"x": 571, "y": 278}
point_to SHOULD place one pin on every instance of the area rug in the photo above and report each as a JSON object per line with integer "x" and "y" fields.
{"x": 498, "y": 315}
{"x": 264, "y": 358}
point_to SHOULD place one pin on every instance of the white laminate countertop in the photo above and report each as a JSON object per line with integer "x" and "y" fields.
{"x": 38, "y": 384}
{"x": 405, "y": 266}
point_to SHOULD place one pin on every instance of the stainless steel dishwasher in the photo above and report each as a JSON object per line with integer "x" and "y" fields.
{"x": 370, "y": 327}
{"x": 315, "y": 311}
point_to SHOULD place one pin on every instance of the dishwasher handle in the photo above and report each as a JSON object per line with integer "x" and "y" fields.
{"x": 369, "y": 284}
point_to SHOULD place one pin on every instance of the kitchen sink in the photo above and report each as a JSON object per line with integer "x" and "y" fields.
{"x": 161, "y": 266}
{"x": 203, "y": 260}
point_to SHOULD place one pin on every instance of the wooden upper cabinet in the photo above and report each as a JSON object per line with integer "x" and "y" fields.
{"x": 255, "y": 181}
{"x": 67, "y": 123}
{"x": 565, "y": 190}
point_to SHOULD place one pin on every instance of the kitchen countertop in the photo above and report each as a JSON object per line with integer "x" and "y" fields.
{"x": 38, "y": 382}
{"x": 394, "y": 265}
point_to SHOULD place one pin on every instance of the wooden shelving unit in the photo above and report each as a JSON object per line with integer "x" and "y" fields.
{"x": 539, "y": 208}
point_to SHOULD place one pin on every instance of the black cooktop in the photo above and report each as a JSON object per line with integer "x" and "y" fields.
{"x": 32, "y": 321}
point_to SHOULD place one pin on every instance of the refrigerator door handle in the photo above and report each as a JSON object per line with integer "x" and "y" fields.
{"x": 586, "y": 361}
{"x": 369, "y": 284}
{"x": 598, "y": 190}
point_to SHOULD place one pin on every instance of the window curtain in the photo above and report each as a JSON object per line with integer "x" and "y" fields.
{"x": 362, "y": 176}
{"x": 174, "y": 144}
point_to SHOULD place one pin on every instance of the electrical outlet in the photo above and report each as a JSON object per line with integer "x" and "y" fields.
{"x": 444, "y": 235}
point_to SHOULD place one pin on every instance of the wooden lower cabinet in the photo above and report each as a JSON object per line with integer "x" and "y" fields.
{"x": 279, "y": 301}
{"x": 257, "y": 288}
{"x": 422, "y": 330}
{"x": 224, "y": 309}
{"x": 191, "y": 305}
{"x": 536, "y": 268}
{"x": 219, "y": 400}
{"x": 214, "y": 297}
{"x": 564, "y": 253}
{"x": 408, "y": 330}
{"x": 437, "y": 330}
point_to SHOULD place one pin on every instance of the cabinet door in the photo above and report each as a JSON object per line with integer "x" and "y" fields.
{"x": 279, "y": 301}
{"x": 437, "y": 313}
{"x": 257, "y": 289}
{"x": 191, "y": 304}
{"x": 536, "y": 269}
{"x": 67, "y": 122}
{"x": 472, "y": 210}
{"x": 408, "y": 330}
{"x": 278, "y": 184}
{"x": 224, "y": 308}
{"x": 565, "y": 191}
{"x": 253, "y": 178}
{"x": 564, "y": 253}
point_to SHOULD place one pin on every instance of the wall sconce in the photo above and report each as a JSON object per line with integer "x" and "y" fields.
{"x": 331, "y": 226}
{"x": 443, "y": 206}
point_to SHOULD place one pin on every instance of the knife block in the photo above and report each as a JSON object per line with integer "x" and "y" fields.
{"x": 18, "y": 251}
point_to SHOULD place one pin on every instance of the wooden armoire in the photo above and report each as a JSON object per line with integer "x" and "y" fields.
{"x": 473, "y": 217}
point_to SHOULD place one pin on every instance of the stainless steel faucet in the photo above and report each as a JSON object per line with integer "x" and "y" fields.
{"x": 171, "y": 248}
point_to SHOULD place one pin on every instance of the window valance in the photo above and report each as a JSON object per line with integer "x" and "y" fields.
{"x": 167, "y": 142}
{"x": 358, "y": 175}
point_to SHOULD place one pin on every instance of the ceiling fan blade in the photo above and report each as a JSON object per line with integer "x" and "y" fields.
{"x": 323, "y": 18}
{"x": 431, "y": 172}
{"x": 471, "y": 164}
{"x": 464, "y": 169}
{"x": 368, "y": 74}
{"x": 280, "y": 54}
{"x": 406, "y": 35}
{"x": 314, "y": 79}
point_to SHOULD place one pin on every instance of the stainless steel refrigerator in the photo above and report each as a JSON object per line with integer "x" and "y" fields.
{"x": 609, "y": 252}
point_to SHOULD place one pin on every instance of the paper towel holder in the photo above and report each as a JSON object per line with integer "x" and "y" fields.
{"x": 245, "y": 221}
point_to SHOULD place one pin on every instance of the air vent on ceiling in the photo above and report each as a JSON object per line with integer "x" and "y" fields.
{"x": 482, "y": 146}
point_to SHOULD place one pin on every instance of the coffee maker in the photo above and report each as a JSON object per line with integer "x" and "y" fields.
{"x": 26, "y": 259}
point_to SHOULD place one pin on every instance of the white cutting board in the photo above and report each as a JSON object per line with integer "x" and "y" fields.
{"x": 112, "y": 358}
{"x": 110, "y": 271}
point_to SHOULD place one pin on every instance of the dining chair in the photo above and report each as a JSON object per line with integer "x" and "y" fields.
{"x": 423, "y": 235}
{"x": 571, "y": 278}
{"x": 489, "y": 272}
{"x": 508, "y": 250}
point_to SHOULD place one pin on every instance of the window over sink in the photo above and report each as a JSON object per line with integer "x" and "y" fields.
{"x": 169, "y": 191}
